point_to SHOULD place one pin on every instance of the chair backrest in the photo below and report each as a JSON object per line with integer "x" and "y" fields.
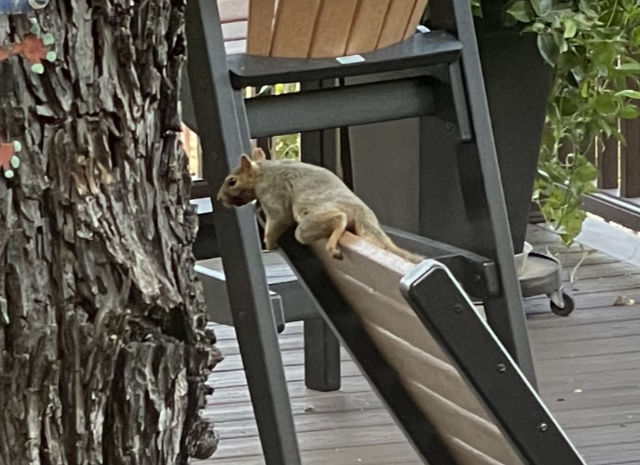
{"x": 369, "y": 278}
{"x": 317, "y": 28}
{"x": 452, "y": 369}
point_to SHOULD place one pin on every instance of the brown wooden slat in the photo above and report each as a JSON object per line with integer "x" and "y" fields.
{"x": 367, "y": 25}
{"x": 293, "y": 29}
{"x": 423, "y": 368}
{"x": 630, "y": 169}
{"x": 395, "y": 318}
{"x": 418, "y": 11}
{"x": 608, "y": 164}
{"x": 381, "y": 270}
{"x": 333, "y": 27}
{"x": 233, "y": 10}
{"x": 396, "y": 22}
{"x": 364, "y": 275}
{"x": 261, "y": 13}
{"x": 467, "y": 454}
{"x": 458, "y": 423}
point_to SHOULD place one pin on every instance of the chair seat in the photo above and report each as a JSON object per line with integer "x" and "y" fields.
{"x": 422, "y": 49}
{"x": 285, "y": 291}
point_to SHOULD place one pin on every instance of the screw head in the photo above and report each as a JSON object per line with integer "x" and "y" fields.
{"x": 458, "y": 308}
{"x": 501, "y": 367}
{"x": 543, "y": 427}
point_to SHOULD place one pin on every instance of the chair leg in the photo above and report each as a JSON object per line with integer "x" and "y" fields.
{"x": 512, "y": 313}
{"x": 256, "y": 333}
{"x": 321, "y": 348}
{"x": 321, "y": 356}
{"x": 462, "y": 203}
{"x": 223, "y": 129}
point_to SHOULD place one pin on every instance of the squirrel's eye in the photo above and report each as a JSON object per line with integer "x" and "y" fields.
{"x": 232, "y": 182}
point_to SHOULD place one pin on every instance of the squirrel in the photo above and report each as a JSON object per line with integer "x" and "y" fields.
{"x": 315, "y": 199}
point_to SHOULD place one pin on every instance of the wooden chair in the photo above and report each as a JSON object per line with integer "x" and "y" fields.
{"x": 316, "y": 28}
{"x": 442, "y": 372}
{"x": 430, "y": 74}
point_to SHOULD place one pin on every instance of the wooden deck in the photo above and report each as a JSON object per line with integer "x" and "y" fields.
{"x": 588, "y": 368}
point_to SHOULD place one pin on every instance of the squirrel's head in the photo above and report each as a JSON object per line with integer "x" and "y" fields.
{"x": 239, "y": 188}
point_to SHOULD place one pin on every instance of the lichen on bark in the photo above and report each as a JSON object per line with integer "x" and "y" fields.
{"x": 103, "y": 346}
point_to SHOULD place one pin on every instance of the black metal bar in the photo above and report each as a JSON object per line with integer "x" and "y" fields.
{"x": 342, "y": 106}
{"x": 321, "y": 356}
{"x": 460, "y": 101}
{"x": 477, "y": 274}
{"x": 222, "y": 123}
{"x": 319, "y": 147}
{"x": 509, "y": 318}
{"x": 345, "y": 324}
{"x": 420, "y": 50}
{"x": 188, "y": 111}
{"x": 345, "y": 157}
{"x": 613, "y": 208}
{"x": 321, "y": 348}
{"x": 444, "y": 309}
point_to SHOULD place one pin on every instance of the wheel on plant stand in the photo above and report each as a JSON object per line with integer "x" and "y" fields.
{"x": 569, "y": 306}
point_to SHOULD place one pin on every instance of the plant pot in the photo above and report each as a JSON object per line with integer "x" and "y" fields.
{"x": 518, "y": 83}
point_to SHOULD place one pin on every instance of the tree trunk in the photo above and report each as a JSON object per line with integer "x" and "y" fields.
{"x": 103, "y": 348}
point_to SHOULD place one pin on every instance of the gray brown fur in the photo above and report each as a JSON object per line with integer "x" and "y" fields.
{"x": 312, "y": 197}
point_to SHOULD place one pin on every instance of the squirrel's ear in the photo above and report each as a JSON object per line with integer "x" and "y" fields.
{"x": 258, "y": 155}
{"x": 245, "y": 163}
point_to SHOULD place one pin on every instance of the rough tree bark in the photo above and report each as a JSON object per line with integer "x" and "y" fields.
{"x": 103, "y": 348}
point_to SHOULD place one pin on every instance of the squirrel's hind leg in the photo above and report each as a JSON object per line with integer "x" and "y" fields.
{"x": 329, "y": 224}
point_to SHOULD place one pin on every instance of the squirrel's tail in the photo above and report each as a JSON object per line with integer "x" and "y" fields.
{"x": 367, "y": 227}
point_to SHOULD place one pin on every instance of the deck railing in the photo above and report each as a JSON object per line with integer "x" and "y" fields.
{"x": 618, "y": 163}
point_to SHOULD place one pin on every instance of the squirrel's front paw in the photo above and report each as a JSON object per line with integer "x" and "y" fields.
{"x": 335, "y": 252}
{"x": 270, "y": 244}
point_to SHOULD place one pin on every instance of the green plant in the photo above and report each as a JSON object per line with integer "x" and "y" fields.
{"x": 591, "y": 44}
{"x": 288, "y": 145}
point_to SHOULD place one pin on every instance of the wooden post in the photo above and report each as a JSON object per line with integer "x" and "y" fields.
{"x": 630, "y": 159}
{"x": 608, "y": 164}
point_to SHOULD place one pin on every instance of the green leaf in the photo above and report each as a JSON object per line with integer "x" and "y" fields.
{"x": 635, "y": 36}
{"x": 570, "y": 28}
{"x": 634, "y": 94}
{"x": 629, "y": 112}
{"x": 476, "y": 8}
{"x": 606, "y": 104}
{"x": 633, "y": 66}
{"x": 586, "y": 173}
{"x": 548, "y": 48}
{"x": 520, "y": 11}
{"x": 542, "y": 7}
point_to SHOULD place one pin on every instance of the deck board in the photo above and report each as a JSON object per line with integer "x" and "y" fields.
{"x": 588, "y": 368}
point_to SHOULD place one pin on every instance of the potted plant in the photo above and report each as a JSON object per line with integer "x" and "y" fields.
{"x": 588, "y": 47}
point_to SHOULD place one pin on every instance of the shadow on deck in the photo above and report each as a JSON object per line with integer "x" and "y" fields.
{"x": 588, "y": 368}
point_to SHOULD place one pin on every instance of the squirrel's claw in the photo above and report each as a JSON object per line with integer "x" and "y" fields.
{"x": 335, "y": 252}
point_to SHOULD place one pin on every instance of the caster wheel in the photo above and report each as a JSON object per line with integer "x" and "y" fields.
{"x": 569, "y": 306}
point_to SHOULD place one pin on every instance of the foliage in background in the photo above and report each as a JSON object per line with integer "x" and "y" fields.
{"x": 591, "y": 44}
{"x": 288, "y": 145}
